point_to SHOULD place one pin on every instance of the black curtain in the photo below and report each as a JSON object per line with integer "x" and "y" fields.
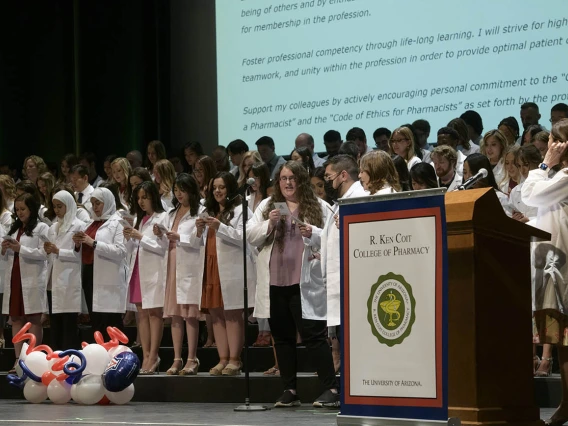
{"x": 80, "y": 76}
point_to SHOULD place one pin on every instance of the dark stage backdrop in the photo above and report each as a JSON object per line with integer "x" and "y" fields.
{"x": 105, "y": 76}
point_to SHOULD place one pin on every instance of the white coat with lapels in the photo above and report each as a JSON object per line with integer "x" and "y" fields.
{"x": 110, "y": 269}
{"x": 328, "y": 241}
{"x": 152, "y": 261}
{"x": 33, "y": 269}
{"x": 312, "y": 288}
{"x": 229, "y": 240}
{"x": 65, "y": 269}
{"x": 189, "y": 260}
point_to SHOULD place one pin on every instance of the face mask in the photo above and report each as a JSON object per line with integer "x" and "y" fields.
{"x": 330, "y": 191}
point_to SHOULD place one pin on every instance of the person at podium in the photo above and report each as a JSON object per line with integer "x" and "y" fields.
{"x": 550, "y": 278}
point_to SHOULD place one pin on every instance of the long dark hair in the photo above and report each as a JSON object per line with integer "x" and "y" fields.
{"x": 33, "y": 205}
{"x": 477, "y": 162}
{"x": 151, "y": 191}
{"x": 143, "y": 174}
{"x": 260, "y": 170}
{"x": 233, "y": 201}
{"x": 402, "y": 171}
{"x": 113, "y": 187}
{"x": 187, "y": 183}
{"x": 424, "y": 174}
{"x": 307, "y": 160}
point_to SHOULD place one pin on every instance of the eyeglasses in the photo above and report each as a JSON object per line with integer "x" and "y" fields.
{"x": 200, "y": 171}
{"x": 327, "y": 178}
{"x": 287, "y": 178}
{"x": 397, "y": 141}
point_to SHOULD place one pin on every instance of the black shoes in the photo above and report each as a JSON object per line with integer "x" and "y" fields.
{"x": 328, "y": 399}
{"x": 288, "y": 399}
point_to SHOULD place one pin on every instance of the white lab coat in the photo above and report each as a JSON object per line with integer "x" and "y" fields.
{"x": 86, "y": 200}
{"x": 229, "y": 240}
{"x": 152, "y": 261}
{"x": 189, "y": 261}
{"x": 5, "y": 224}
{"x": 83, "y": 215}
{"x": 312, "y": 288}
{"x": 456, "y": 182}
{"x": 33, "y": 268}
{"x": 413, "y": 161}
{"x": 65, "y": 269}
{"x": 516, "y": 203}
{"x": 550, "y": 196}
{"x": 110, "y": 268}
{"x": 328, "y": 241}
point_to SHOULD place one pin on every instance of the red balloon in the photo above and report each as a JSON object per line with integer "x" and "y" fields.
{"x": 47, "y": 377}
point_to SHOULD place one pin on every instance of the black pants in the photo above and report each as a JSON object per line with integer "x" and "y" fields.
{"x": 285, "y": 318}
{"x": 99, "y": 320}
{"x": 63, "y": 331}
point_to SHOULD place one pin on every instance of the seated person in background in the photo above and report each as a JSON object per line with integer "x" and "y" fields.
{"x": 474, "y": 124}
{"x": 357, "y": 135}
{"x": 464, "y": 145}
{"x": 530, "y": 133}
{"x": 403, "y": 173}
{"x": 307, "y": 140}
{"x": 423, "y": 176}
{"x": 510, "y": 128}
{"x": 448, "y": 136}
{"x": 422, "y": 131}
{"x": 473, "y": 164}
{"x": 350, "y": 148}
{"x": 381, "y": 137}
{"x": 512, "y": 175}
{"x": 377, "y": 173}
{"x": 558, "y": 112}
{"x": 493, "y": 147}
{"x": 266, "y": 149}
{"x": 221, "y": 159}
{"x": 332, "y": 141}
{"x": 445, "y": 158}
{"x": 402, "y": 143}
{"x": 303, "y": 155}
{"x": 527, "y": 158}
{"x": 236, "y": 149}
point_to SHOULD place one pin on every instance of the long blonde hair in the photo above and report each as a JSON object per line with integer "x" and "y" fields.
{"x": 381, "y": 170}
{"x": 125, "y": 166}
{"x": 500, "y": 138}
{"x": 244, "y": 173}
{"x": 167, "y": 174}
{"x": 407, "y": 133}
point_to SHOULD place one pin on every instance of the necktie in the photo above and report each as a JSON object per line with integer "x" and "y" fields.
{"x": 80, "y": 198}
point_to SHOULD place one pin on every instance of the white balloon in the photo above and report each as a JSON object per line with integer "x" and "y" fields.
{"x": 73, "y": 393}
{"x": 112, "y": 352}
{"x": 59, "y": 392}
{"x": 121, "y": 397}
{"x": 37, "y": 363}
{"x": 35, "y": 392}
{"x": 90, "y": 389}
{"x": 97, "y": 359}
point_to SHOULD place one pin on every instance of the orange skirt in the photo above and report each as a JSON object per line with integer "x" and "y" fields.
{"x": 211, "y": 295}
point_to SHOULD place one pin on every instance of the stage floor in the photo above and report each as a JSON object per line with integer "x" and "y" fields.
{"x": 180, "y": 414}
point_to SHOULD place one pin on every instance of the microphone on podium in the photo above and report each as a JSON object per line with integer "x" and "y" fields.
{"x": 482, "y": 173}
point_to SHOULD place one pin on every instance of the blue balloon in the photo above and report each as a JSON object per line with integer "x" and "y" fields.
{"x": 121, "y": 371}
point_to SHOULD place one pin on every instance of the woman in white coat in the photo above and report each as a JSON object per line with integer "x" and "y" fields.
{"x": 5, "y": 224}
{"x": 148, "y": 268}
{"x": 222, "y": 294}
{"x": 378, "y": 174}
{"x": 103, "y": 257}
{"x": 288, "y": 293}
{"x": 185, "y": 272}
{"x": 550, "y": 280}
{"x": 25, "y": 297}
{"x": 65, "y": 262}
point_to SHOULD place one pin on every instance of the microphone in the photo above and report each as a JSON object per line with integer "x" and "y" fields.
{"x": 482, "y": 173}
{"x": 248, "y": 183}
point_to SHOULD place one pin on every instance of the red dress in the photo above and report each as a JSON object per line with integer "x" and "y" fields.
{"x": 16, "y": 295}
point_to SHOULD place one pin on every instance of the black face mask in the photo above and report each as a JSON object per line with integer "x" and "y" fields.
{"x": 330, "y": 191}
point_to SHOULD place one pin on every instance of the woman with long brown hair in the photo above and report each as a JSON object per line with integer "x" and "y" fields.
{"x": 377, "y": 173}
{"x": 290, "y": 290}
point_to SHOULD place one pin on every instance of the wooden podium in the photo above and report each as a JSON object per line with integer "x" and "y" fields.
{"x": 490, "y": 332}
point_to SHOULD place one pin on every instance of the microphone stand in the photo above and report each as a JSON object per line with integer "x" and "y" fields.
{"x": 246, "y": 407}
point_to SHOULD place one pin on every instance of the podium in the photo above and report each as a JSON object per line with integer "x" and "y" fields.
{"x": 490, "y": 377}
{"x": 465, "y": 294}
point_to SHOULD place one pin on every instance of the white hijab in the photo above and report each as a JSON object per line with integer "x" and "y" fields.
{"x": 107, "y": 198}
{"x": 70, "y": 212}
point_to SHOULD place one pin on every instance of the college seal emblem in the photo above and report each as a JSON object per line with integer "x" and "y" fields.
{"x": 391, "y": 309}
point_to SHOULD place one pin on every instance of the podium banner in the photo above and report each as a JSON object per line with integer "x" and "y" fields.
{"x": 394, "y": 306}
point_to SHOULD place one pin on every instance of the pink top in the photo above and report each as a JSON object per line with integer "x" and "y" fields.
{"x": 135, "y": 291}
{"x": 286, "y": 262}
